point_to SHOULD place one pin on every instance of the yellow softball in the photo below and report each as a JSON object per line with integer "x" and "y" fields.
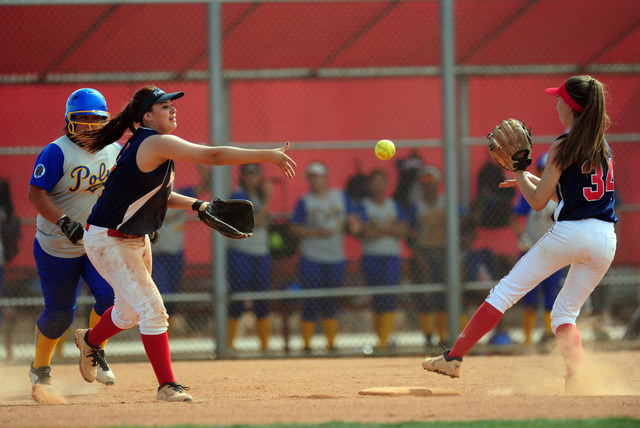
{"x": 385, "y": 149}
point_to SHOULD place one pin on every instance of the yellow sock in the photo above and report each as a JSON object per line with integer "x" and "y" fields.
{"x": 387, "y": 322}
{"x": 441, "y": 325}
{"x": 426, "y": 323}
{"x": 232, "y": 329}
{"x": 330, "y": 328}
{"x": 44, "y": 350}
{"x": 528, "y": 324}
{"x": 547, "y": 321}
{"x": 308, "y": 329}
{"x": 263, "y": 327}
{"x": 93, "y": 320}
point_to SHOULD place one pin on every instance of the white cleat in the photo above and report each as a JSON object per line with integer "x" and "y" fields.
{"x": 443, "y": 364}
{"x": 88, "y": 356}
{"x": 173, "y": 392}
{"x": 40, "y": 376}
{"x": 104, "y": 375}
{"x": 41, "y": 390}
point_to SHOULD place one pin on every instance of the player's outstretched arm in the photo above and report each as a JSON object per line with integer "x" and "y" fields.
{"x": 155, "y": 150}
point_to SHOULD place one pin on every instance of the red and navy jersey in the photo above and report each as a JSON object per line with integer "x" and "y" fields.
{"x": 134, "y": 202}
{"x": 586, "y": 193}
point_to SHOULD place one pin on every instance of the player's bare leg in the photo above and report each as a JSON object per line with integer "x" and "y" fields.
{"x": 570, "y": 346}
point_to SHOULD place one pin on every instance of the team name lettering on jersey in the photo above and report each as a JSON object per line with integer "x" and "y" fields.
{"x": 81, "y": 174}
{"x": 322, "y": 216}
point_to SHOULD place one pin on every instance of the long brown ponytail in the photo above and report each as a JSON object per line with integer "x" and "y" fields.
{"x": 97, "y": 139}
{"x": 585, "y": 142}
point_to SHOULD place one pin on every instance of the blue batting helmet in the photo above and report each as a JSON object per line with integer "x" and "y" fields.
{"x": 85, "y": 102}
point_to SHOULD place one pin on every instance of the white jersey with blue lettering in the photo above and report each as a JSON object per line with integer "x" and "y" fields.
{"x": 74, "y": 180}
{"x": 373, "y": 214}
{"x": 324, "y": 213}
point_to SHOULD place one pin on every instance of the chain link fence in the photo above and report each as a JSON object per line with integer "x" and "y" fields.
{"x": 353, "y": 255}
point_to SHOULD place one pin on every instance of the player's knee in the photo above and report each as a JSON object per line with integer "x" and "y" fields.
{"x": 157, "y": 323}
{"x": 102, "y": 304}
{"x": 54, "y": 322}
{"x": 124, "y": 321}
{"x": 499, "y": 299}
{"x": 559, "y": 318}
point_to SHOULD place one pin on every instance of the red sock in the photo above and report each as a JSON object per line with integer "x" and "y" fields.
{"x": 104, "y": 329}
{"x": 157, "y": 349}
{"x": 485, "y": 318}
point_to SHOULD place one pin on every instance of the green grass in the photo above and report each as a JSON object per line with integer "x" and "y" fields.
{"x": 531, "y": 423}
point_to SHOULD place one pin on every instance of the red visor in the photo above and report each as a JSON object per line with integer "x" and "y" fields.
{"x": 561, "y": 91}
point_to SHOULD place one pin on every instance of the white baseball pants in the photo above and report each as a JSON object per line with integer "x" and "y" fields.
{"x": 587, "y": 245}
{"x": 125, "y": 263}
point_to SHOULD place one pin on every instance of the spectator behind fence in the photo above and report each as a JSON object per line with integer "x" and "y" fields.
{"x": 407, "y": 189}
{"x": 492, "y": 205}
{"x": 383, "y": 225}
{"x": 67, "y": 180}
{"x": 168, "y": 248}
{"x": 537, "y": 224}
{"x": 9, "y": 234}
{"x": 249, "y": 261}
{"x": 9, "y": 227}
{"x": 428, "y": 244}
{"x": 320, "y": 219}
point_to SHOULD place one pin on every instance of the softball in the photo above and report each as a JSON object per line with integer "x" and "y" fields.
{"x": 385, "y": 149}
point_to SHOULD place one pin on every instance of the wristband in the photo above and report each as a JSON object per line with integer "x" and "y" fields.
{"x": 60, "y": 220}
{"x": 196, "y": 205}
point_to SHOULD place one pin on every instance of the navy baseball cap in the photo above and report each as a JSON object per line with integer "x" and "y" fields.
{"x": 154, "y": 97}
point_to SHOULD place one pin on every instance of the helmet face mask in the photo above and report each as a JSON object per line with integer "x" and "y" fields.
{"x": 72, "y": 122}
{"x": 85, "y": 102}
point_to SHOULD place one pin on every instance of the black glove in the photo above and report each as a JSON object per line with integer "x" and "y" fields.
{"x": 72, "y": 229}
{"x": 233, "y": 218}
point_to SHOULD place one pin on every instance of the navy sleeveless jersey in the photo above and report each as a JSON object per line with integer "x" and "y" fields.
{"x": 134, "y": 202}
{"x": 586, "y": 193}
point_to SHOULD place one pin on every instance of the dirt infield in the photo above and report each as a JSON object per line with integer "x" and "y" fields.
{"x": 320, "y": 390}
